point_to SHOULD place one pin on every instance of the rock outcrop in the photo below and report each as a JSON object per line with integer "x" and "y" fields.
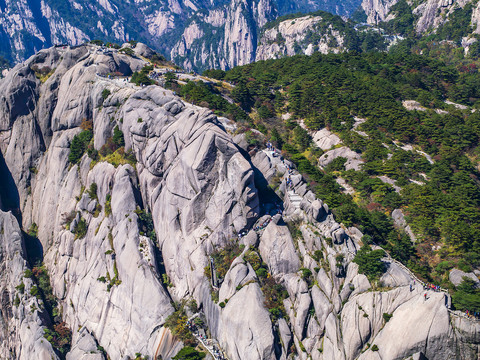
{"x": 224, "y": 37}
{"x": 300, "y": 35}
{"x": 22, "y": 317}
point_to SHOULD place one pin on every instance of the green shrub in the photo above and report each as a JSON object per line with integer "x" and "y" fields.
{"x": 92, "y": 191}
{"x": 306, "y": 273}
{"x": 369, "y": 262}
{"x": 199, "y": 322}
{"x": 329, "y": 241}
{"x": 467, "y": 296}
{"x": 374, "y": 347}
{"x": 127, "y": 51}
{"x": 32, "y": 231}
{"x": 189, "y": 353}
{"x": 145, "y": 223}
{"x": 34, "y": 291}
{"x": 79, "y": 145}
{"x": 214, "y": 74}
{"x": 141, "y": 78}
{"x": 108, "y": 205}
{"x": 81, "y": 229}
{"x": 177, "y": 323}
{"x": 223, "y": 258}
{"x": 105, "y": 94}
{"x": 28, "y": 273}
{"x": 338, "y": 164}
{"x": 261, "y": 273}
{"x": 118, "y": 138}
{"x": 387, "y": 317}
{"x": 193, "y": 306}
{"x": 20, "y": 288}
{"x": 317, "y": 255}
{"x": 339, "y": 260}
{"x": 222, "y": 304}
{"x": 253, "y": 258}
{"x": 60, "y": 337}
{"x": 274, "y": 294}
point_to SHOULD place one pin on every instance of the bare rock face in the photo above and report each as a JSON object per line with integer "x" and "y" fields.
{"x": 224, "y": 37}
{"x": 278, "y": 250}
{"x": 188, "y": 173}
{"x": 456, "y": 277}
{"x": 429, "y": 318}
{"x": 22, "y": 320}
{"x": 430, "y": 14}
{"x": 85, "y": 347}
{"x": 325, "y": 139}
{"x": 289, "y": 38}
{"x": 377, "y": 10}
{"x": 354, "y": 160}
{"x": 254, "y": 338}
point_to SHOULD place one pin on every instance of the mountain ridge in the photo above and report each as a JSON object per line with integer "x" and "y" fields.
{"x": 143, "y": 196}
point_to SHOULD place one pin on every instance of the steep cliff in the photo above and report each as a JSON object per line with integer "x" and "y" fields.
{"x": 223, "y": 38}
{"x": 293, "y": 36}
{"x": 188, "y": 174}
{"x": 319, "y": 31}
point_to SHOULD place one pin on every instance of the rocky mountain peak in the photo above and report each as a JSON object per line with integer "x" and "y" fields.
{"x": 141, "y": 213}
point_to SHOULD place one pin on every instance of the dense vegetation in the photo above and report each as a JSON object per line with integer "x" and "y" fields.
{"x": 439, "y": 194}
{"x": 369, "y": 262}
{"x": 177, "y": 323}
{"x": 79, "y": 145}
{"x": 189, "y": 353}
{"x": 141, "y": 77}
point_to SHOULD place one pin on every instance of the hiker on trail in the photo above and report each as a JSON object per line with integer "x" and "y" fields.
{"x": 410, "y": 287}
{"x": 425, "y": 296}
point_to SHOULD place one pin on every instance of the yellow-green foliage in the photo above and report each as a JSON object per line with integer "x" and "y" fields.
{"x": 177, "y": 323}
{"x": 42, "y": 73}
{"x": 117, "y": 158}
{"x": 253, "y": 258}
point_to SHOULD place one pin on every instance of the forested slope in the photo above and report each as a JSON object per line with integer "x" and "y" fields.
{"x": 410, "y": 121}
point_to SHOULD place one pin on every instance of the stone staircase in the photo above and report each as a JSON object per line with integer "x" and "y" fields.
{"x": 295, "y": 199}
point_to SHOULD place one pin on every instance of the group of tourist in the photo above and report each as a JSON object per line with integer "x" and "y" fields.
{"x": 262, "y": 225}
{"x": 289, "y": 169}
{"x": 289, "y": 182}
{"x": 472, "y": 314}
{"x": 271, "y": 148}
{"x": 436, "y": 288}
{"x": 154, "y": 75}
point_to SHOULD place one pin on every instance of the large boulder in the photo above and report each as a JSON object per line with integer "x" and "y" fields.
{"x": 354, "y": 160}
{"x": 278, "y": 250}
{"x": 456, "y": 277}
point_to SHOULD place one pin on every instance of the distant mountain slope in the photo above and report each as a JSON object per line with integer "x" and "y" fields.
{"x": 29, "y": 25}
{"x": 447, "y": 19}
{"x": 319, "y": 31}
{"x": 201, "y": 34}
